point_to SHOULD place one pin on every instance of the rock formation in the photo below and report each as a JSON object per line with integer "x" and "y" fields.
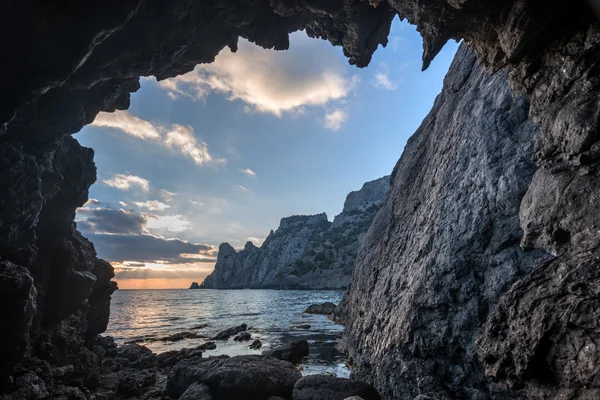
{"x": 305, "y": 252}
{"x": 62, "y": 65}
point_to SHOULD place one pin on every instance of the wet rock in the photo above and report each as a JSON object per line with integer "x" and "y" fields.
{"x": 325, "y": 387}
{"x": 339, "y": 313}
{"x": 257, "y": 344}
{"x": 293, "y": 352}
{"x": 243, "y": 377}
{"x": 196, "y": 391}
{"x": 227, "y": 333}
{"x": 181, "y": 336}
{"x": 135, "y": 356}
{"x": 170, "y": 358}
{"x": 323, "y": 308}
{"x": 201, "y": 326}
{"x": 243, "y": 337}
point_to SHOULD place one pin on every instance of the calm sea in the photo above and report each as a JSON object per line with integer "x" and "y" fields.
{"x": 149, "y": 315}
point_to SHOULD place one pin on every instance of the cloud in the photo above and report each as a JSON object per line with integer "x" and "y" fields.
{"x": 256, "y": 241}
{"x": 268, "y": 81}
{"x": 152, "y": 205}
{"x": 127, "y": 123}
{"x": 122, "y": 203}
{"x": 248, "y": 172}
{"x": 148, "y": 248}
{"x": 170, "y": 223}
{"x": 335, "y": 119}
{"x": 196, "y": 202}
{"x": 126, "y": 182}
{"x": 175, "y": 136}
{"x": 182, "y": 138}
{"x": 108, "y": 220}
{"x": 198, "y": 270}
{"x": 382, "y": 80}
{"x": 245, "y": 189}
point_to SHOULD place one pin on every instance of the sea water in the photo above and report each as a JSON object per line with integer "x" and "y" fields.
{"x": 146, "y": 316}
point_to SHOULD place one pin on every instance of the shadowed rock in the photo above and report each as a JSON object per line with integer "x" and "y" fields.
{"x": 242, "y": 377}
{"x": 227, "y": 333}
{"x": 325, "y": 387}
{"x": 293, "y": 352}
{"x": 323, "y": 308}
{"x": 196, "y": 391}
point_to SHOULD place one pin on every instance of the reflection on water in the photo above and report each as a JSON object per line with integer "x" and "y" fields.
{"x": 270, "y": 314}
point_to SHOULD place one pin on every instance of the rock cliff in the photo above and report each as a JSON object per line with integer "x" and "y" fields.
{"x": 305, "y": 252}
{"x": 64, "y": 64}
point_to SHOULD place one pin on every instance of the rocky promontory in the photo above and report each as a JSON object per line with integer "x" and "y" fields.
{"x": 305, "y": 252}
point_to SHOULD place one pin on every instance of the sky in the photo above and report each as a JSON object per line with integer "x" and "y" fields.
{"x": 222, "y": 153}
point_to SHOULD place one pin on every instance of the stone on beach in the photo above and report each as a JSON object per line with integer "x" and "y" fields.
{"x": 325, "y": 387}
{"x": 293, "y": 352}
{"x": 323, "y": 308}
{"x": 227, "y": 333}
{"x": 250, "y": 377}
{"x": 257, "y": 344}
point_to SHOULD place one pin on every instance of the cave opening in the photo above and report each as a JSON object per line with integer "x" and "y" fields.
{"x": 69, "y": 63}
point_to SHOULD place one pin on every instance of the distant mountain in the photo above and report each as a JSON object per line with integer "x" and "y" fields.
{"x": 306, "y": 251}
{"x": 195, "y": 285}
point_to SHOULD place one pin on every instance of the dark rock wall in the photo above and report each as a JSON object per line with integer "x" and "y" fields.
{"x": 63, "y": 63}
{"x": 445, "y": 244}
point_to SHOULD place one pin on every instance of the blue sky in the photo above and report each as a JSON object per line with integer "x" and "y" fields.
{"x": 224, "y": 152}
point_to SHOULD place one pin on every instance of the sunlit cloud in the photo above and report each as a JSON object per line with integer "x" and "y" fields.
{"x": 171, "y": 223}
{"x": 335, "y": 119}
{"x": 91, "y": 202}
{"x": 127, "y": 123}
{"x": 269, "y": 81}
{"x": 256, "y": 241}
{"x": 243, "y": 188}
{"x": 175, "y": 136}
{"x": 126, "y": 182}
{"x": 152, "y": 205}
{"x": 248, "y": 172}
{"x": 123, "y": 204}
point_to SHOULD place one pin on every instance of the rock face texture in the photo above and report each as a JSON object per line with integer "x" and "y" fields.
{"x": 415, "y": 307}
{"x": 65, "y": 64}
{"x": 305, "y": 252}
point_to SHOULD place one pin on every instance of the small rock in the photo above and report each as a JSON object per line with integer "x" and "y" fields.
{"x": 196, "y": 391}
{"x": 135, "y": 356}
{"x": 180, "y": 336}
{"x": 243, "y": 337}
{"x": 201, "y": 326}
{"x": 207, "y": 346}
{"x": 323, "y": 308}
{"x": 227, "y": 333}
{"x": 303, "y": 326}
{"x": 292, "y": 352}
{"x": 257, "y": 344}
{"x": 241, "y": 377}
{"x": 324, "y": 387}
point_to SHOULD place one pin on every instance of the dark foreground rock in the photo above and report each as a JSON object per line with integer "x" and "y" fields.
{"x": 229, "y": 332}
{"x": 243, "y": 337}
{"x": 323, "y": 308}
{"x": 293, "y": 352}
{"x": 170, "y": 358}
{"x": 243, "y": 377}
{"x": 325, "y": 387}
{"x": 196, "y": 391}
{"x": 256, "y": 344}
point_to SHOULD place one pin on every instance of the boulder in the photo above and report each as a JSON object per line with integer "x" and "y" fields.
{"x": 325, "y": 387}
{"x": 322, "y": 308}
{"x": 292, "y": 352}
{"x": 181, "y": 336}
{"x": 135, "y": 356}
{"x": 257, "y": 344}
{"x": 250, "y": 377}
{"x": 227, "y": 333}
{"x": 196, "y": 391}
{"x": 243, "y": 337}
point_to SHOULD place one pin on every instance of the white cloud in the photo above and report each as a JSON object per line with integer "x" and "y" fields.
{"x": 196, "y": 202}
{"x": 248, "y": 172}
{"x": 335, "y": 119}
{"x": 90, "y": 202}
{"x": 171, "y": 223}
{"x": 153, "y": 205}
{"x": 182, "y": 137}
{"x": 256, "y": 240}
{"x": 127, "y": 123}
{"x": 126, "y": 182}
{"x": 269, "y": 81}
{"x": 245, "y": 189}
{"x": 123, "y": 204}
{"x": 382, "y": 80}
{"x": 175, "y": 136}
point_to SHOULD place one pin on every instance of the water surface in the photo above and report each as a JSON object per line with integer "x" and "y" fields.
{"x": 149, "y": 315}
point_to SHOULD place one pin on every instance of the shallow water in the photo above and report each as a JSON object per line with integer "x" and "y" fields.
{"x": 152, "y": 314}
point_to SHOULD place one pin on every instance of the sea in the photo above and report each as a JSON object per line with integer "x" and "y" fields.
{"x": 146, "y": 316}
